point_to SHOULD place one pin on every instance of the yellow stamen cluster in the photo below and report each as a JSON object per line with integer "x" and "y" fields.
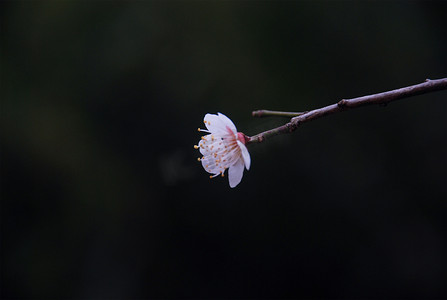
{"x": 219, "y": 152}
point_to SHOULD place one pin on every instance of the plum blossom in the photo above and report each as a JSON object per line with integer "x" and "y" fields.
{"x": 223, "y": 148}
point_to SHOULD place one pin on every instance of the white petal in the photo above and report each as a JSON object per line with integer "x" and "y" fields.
{"x": 210, "y": 165}
{"x": 210, "y": 143}
{"x": 227, "y": 122}
{"x": 235, "y": 173}
{"x": 245, "y": 155}
{"x": 215, "y": 124}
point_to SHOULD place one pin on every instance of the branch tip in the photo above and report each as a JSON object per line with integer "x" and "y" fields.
{"x": 256, "y": 113}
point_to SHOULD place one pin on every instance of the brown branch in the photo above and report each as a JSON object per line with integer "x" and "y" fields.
{"x": 381, "y": 98}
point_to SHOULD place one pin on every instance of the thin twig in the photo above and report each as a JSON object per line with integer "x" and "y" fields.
{"x": 346, "y": 104}
{"x": 269, "y": 113}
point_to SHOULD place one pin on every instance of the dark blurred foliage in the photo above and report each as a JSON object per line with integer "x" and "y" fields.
{"x": 101, "y": 193}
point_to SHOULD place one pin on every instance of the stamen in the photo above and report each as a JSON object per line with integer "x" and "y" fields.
{"x": 199, "y": 159}
{"x": 196, "y": 147}
{"x": 212, "y": 176}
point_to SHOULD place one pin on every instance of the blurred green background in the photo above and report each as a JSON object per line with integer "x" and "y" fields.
{"x": 101, "y": 193}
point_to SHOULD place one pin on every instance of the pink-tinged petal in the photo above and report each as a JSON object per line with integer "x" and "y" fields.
{"x": 235, "y": 173}
{"x": 228, "y": 123}
{"x": 245, "y": 155}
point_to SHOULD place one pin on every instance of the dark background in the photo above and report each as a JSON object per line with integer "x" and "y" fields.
{"x": 101, "y": 193}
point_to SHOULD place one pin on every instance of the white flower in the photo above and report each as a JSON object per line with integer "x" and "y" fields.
{"x": 223, "y": 148}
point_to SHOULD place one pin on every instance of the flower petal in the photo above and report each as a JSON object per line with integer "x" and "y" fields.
{"x": 215, "y": 125}
{"x": 210, "y": 144}
{"x": 235, "y": 173}
{"x": 210, "y": 165}
{"x": 227, "y": 122}
{"x": 219, "y": 124}
{"x": 245, "y": 155}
